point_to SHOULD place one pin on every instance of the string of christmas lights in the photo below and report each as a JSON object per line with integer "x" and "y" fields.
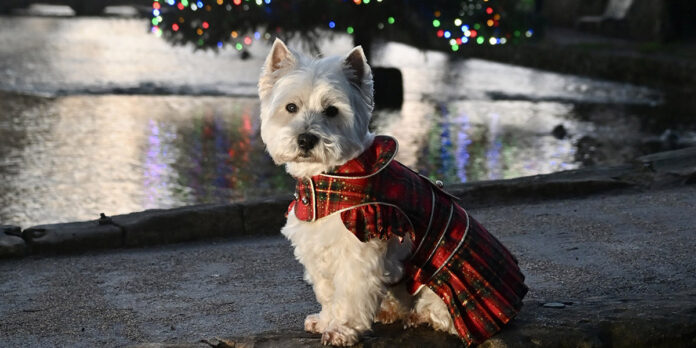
{"x": 239, "y": 23}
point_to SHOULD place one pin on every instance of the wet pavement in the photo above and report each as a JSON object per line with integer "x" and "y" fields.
{"x": 99, "y": 115}
{"x": 596, "y": 252}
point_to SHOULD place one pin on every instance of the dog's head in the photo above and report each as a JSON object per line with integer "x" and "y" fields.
{"x": 315, "y": 112}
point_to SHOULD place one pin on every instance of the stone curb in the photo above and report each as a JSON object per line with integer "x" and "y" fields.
{"x": 266, "y": 217}
{"x": 147, "y": 228}
{"x": 11, "y": 242}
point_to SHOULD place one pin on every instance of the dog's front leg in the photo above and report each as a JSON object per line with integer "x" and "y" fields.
{"x": 323, "y": 291}
{"x": 358, "y": 289}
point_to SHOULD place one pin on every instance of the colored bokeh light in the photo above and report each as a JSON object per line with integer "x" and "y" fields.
{"x": 483, "y": 21}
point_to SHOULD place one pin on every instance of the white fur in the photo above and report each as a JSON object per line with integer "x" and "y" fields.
{"x": 352, "y": 280}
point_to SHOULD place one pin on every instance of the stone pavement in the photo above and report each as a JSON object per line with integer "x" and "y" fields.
{"x": 621, "y": 266}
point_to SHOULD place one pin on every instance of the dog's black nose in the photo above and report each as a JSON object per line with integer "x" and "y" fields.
{"x": 306, "y": 141}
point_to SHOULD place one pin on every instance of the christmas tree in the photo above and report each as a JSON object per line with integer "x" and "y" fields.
{"x": 421, "y": 23}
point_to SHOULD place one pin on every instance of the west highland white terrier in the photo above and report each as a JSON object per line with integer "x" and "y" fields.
{"x": 378, "y": 241}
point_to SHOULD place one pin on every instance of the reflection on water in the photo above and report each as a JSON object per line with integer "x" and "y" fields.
{"x": 477, "y": 140}
{"x": 72, "y": 157}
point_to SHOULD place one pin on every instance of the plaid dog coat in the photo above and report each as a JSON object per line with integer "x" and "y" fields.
{"x": 378, "y": 197}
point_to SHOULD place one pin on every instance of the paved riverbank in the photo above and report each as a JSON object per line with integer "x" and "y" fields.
{"x": 620, "y": 264}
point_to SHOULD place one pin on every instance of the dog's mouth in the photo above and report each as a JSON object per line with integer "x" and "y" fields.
{"x": 305, "y": 157}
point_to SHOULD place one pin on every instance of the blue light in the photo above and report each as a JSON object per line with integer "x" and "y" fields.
{"x": 170, "y": 2}
{"x": 219, "y": 44}
{"x": 447, "y": 34}
{"x": 257, "y": 35}
{"x": 268, "y": 2}
{"x": 199, "y": 4}
{"x": 465, "y": 27}
{"x": 332, "y": 24}
{"x": 465, "y": 39}
{"x": 155, "y": 13}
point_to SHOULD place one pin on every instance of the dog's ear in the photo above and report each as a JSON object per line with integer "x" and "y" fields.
{"x": 279, "y": 59}
{"x": 355, "y": 66}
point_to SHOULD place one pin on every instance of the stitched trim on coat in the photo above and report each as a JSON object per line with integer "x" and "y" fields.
{"x": 461, "y": 241}
{"x": 368, "y": 203}
{"x": 314, "y": 200}
{"x": 430, "y": 222}
{"x": 444, "y": 232}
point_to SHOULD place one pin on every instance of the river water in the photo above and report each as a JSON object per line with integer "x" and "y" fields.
{"x": 99, "y": 115}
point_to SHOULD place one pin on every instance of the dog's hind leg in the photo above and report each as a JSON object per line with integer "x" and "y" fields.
{"x": 395, "y": 305}
{"x": 431, "y": 310}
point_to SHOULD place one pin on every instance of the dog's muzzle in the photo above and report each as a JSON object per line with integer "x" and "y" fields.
{"x": 306, "y": 141}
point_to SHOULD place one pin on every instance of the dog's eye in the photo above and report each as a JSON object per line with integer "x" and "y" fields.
{"x": 292, "y": 108}
{"x": 331, "y": 111}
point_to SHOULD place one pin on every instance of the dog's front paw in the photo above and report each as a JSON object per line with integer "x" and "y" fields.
{"x": 313, "y": 323}
{"x": 339, "y": 336}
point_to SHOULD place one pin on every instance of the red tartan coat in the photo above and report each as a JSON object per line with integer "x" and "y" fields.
{"x": 378, "y": 197}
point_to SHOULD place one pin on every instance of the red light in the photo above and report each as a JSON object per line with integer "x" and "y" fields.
{"x": 489, "y": 10}
{"x": 175, "y": 27}
{"x": 206, "y": 25}
{"x": 247, "y": 40}
{"x": 473, "y": 33}
{"x": 237, "y": 2}
{"x": 357, "y": 2}
{"x": 180, "y": 6}
{"x": 459, "y": 41}
{"x": 156, "y": 5}
{"x": 440, "y": 33}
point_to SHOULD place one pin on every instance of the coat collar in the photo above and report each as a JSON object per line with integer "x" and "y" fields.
{"x": 353, "y": 176}
{"x": 370, "y": 162}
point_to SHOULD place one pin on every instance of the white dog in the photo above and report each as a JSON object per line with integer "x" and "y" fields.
{"x": 314, "y": 120}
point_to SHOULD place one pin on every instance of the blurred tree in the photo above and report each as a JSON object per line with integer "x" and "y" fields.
{"x": 422, "y": 23}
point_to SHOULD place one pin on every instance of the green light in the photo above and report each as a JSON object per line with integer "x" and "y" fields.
{"x": 238, "y": 46}
{"x": 200, "y": 42}
{"x": 477, "y": 26}
{"x": 366, "y": 2}
{"x": 185, "y": 3}
{"x": 517, "y": 33}
{"x": 154, "y": 21}
{"x": 436, "y": 23}
{"x": 349, "y": 30}
{"x": 480, "y": 40}
{"x": 391, "y": 20}
{"x": 455, "y": 48}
